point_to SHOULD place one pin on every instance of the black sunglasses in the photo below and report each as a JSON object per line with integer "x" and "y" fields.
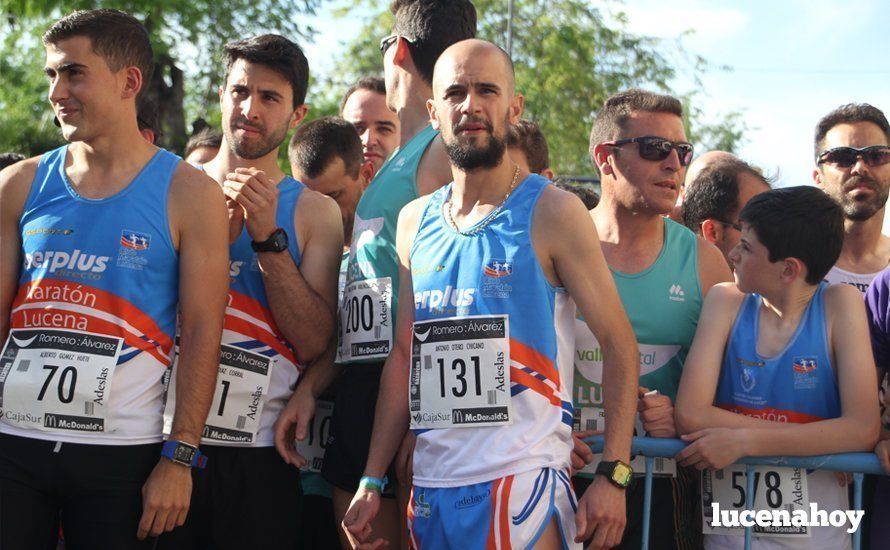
{"x": 388, "y": 41}
{"x": 657, "y": 148}
{"x": 845, "y": 157}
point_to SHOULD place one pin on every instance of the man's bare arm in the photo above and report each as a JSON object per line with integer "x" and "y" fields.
{"x": 712, "y": 266}
{"x": 203, "y": 291}
{"x": 571, "y": 238}
{"x": 15, "y": 183}
{"x": 303, "y": 300}
{"x": 201, "y": 237}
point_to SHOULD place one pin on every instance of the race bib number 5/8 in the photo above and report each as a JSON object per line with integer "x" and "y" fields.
{"x": 57, "y": 380}
{"x": 774, "y": 489}
{"x": 366, "y": 320}
{"x": 460, "y": 373}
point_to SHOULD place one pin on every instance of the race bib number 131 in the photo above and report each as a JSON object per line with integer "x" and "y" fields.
{"x": 460, "y": 373}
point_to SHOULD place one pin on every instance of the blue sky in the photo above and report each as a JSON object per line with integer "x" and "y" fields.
{"x": 792, "y": 62}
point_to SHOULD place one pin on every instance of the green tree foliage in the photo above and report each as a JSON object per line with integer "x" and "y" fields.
{"x": 182, "y": 33}
{"x": 569, "y": 57}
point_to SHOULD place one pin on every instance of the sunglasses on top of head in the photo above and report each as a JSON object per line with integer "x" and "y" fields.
{"x": 845, "y": 157}
{"x": 657, "y": 148}
{"x": 388, "y": 41}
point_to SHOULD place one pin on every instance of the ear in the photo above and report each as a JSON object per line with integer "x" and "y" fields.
{"x": 547, "y": 173}
{"x": 711, "y": 231}
{"x": 149, "y": 135}
{"x": 298, "y": 115}
{"x": 402, "y": 57}
{"x": 222, "y": 90}
{"x": 516, "y": 108}
{"x": 792, "y": 268}
{"x": 817, "y": 176}
{"x": 366, "y": 174}
{"x": 431, "y": 109}
{"x": 602, "y": 157}
{"x": 132, "y": 82}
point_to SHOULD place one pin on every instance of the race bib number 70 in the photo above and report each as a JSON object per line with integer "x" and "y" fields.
{"x": 57, "y": 380}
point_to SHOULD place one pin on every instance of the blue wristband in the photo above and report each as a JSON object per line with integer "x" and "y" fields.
{"x": 372, "y": 484}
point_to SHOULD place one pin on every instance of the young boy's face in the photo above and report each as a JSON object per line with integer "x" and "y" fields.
{"x": 750, "y": 258}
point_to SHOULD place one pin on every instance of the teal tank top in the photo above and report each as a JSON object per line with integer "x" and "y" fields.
{"x": 663, "y": 303}
{"x": 370, "y": 298}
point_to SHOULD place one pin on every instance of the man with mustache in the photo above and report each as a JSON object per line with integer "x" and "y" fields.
{"x": 422, "y": 30}
{"x": 853, "y": 167}
{"x": 286, "y": 242}
{"x": 852, "y": 149}
{"x": 494, "y": 261}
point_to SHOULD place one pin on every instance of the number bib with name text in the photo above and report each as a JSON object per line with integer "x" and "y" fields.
{"x": 366, "y": 320}
{"x": 460, "y": 373}
{"x": 57, "y": 380}
{"x": 242, "y": 382}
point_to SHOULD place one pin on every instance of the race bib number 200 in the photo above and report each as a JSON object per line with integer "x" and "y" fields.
{"x": 366, "y": 320}
{"x": 460, "y": 373}
{"x": 57, "y": 380}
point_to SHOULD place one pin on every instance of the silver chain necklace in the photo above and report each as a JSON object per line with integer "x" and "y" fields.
{"x": 487, "y": 219}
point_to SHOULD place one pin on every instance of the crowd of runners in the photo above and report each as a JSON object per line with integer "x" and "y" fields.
{"x": 402, "y": 340}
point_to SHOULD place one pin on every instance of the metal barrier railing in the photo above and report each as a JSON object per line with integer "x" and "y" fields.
{"x": 652, "y": 448}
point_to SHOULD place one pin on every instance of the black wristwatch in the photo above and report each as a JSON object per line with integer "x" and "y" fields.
{"x": 277, "y": 242}
{"x": 619, "y": 473}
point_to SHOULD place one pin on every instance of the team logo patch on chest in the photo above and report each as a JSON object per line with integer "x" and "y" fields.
{"x": 133, "y": 244}
{"x": 804, "y": 369}
{"x": 495, "y": 272}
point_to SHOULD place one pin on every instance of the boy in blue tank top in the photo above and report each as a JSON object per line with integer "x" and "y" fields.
{"x": 780, "y": 365}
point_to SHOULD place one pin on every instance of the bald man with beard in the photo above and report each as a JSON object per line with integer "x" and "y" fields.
{"x": 514, "y": 251}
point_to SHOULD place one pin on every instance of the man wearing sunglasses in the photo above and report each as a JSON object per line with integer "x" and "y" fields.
{"x": 853, "y": 166}
{"x": 852, "y": 150}
{"x": 662, "y": 272}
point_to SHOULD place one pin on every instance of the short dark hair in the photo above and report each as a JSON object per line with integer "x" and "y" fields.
{"x": 798, "y": 222}
{"x": 714, "y": 193}
{"x": 618, "y": 108}
{"x": 587, "y": 195}
{"x": 276, "y": 52}
{"x": 206, "y": 137}
{"x": 8, "y": 159}
{"x": 371, "y": 83}
{"x": 849, "y": 113}
{"x": 431, "y": 26}
{"x": 116, "y": 36}
{"x": 527, "y": 136}
{"x": 316, "y": 144}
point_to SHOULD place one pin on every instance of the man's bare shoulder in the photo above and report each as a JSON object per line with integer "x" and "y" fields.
{"x": 189, "y": 180}
{"x": 558, "y": 208}
{"x": 412, "y": 211}
{"x": 725, "y": 297}
{"x": 843, "y": 299}
{"x": 316, "y": 209}
{"x": 15, "y": 183}
{"x": 434, "y": 169}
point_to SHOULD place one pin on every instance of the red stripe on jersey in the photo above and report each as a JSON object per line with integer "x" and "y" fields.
{"x": 101, "y": 300}
{"x": 534, "y": 360}
{"x": 536, "y": 385}
{"x": 773, "y": 414}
